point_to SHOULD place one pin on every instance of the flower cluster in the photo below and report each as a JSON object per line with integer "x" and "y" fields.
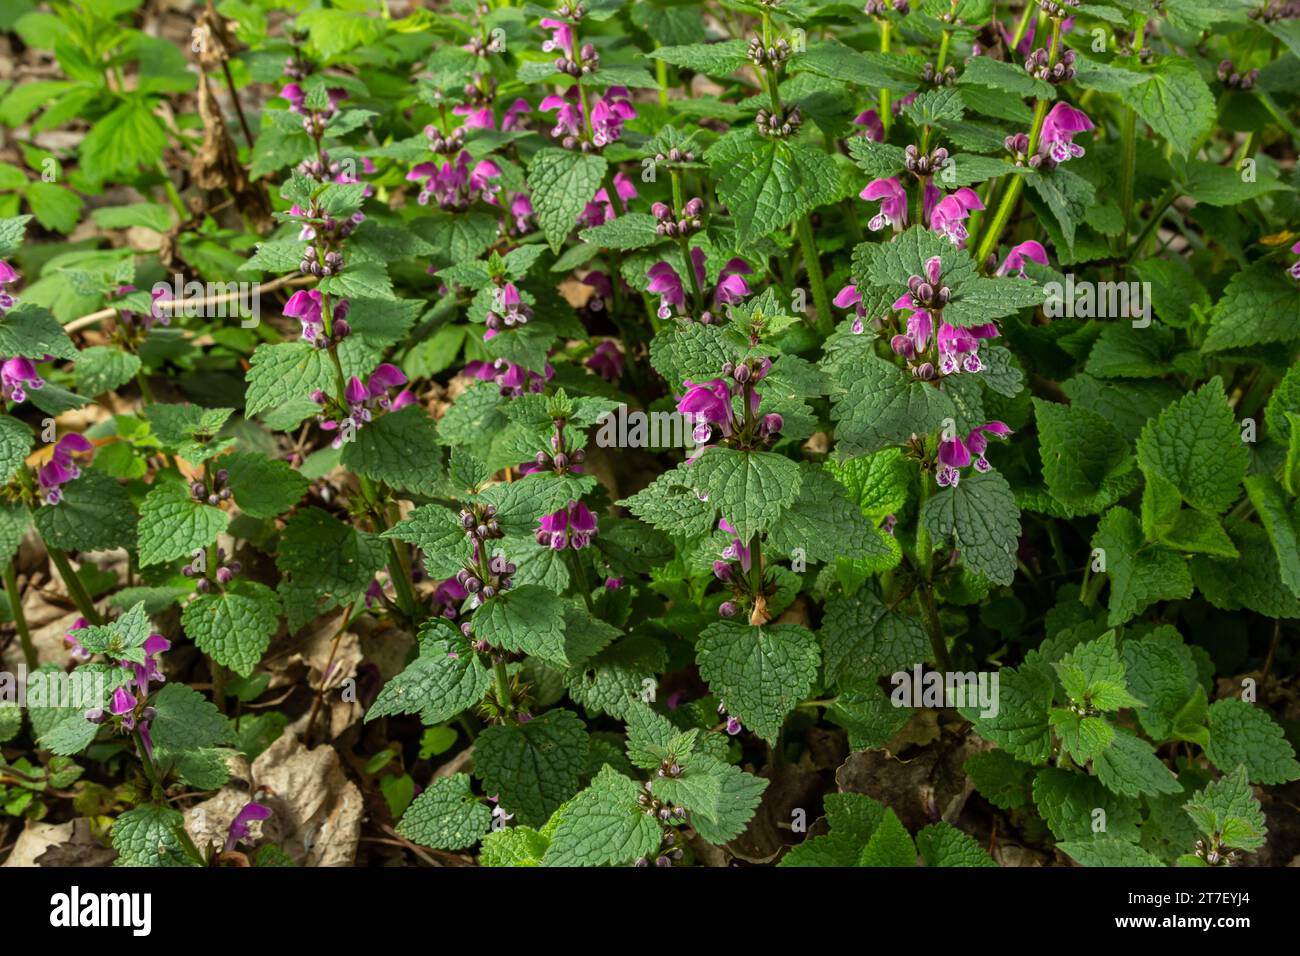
{"x": 731, "y": 287}
{"x": 508, "y": 311}
{"x": 61, "y": 469}
{"x": 479, "y": 587}
{"x": 608, "y": 114}
{"x": 711, "y": 405}
{"x": 128, "y": 703}
{"x": 307, "y": 307}
{"x": 513, "y": 379}
{"x": 362, "y": 399}
{"x": 957, "y": 453}
{"x": 573, "y": 526}
{"x": 957, "y": 347}
{"x": 948, "y": 217}
{"x": 674, "y": 224}
{"x": 8, "y": 274}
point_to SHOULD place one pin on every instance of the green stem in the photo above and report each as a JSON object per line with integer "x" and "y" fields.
{"x": 1164, "y": 202}
{"x": 1128, "y": 173}
{"x": 76, "y": 590}
{"x": 502, "y": 685}
{"x": 934, "y": 627}
{"x": 580, "y": 574}
{"x": 1022, "y": 27}
{"x": 150, "y": 771}
{"x": 661, "y": 77}
{"x": 989, "y": 240}
{"x": 20, "y": 617}
{"x": 886, "y": 108}
{"x": 811, "y": 262}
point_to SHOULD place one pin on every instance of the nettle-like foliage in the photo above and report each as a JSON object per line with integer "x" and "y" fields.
{"x": 595, "y": 423}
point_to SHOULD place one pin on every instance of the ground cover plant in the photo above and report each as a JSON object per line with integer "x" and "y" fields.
{"x": 660, "y": 434}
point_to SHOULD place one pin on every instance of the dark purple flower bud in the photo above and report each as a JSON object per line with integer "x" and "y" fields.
{"x": 728, "y": 609}
{"x": 202, "y": 585}
{"x": 342, "y": 329}
{"x": 197, "y": 489}
{"x": 694, "y": 207}
{"x": 225, "y": 575}
{"x": 773, "y": 423}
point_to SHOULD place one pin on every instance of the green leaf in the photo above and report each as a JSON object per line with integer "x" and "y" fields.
{"x": 942, "y": 844}
{"x": 446, "y": 679}
{"x": 1107, "y": 852}
{"x": 15, "y": 444}
{"x": 749, "y": 489}
{"x": 400, "y": 449}
{"x": 1280, "y": 524}
{"x": 1020, "y": 726}
{"x": 861, "y": 638}
{"x": 129, "y": 137}
{"x": 890, "y": 845}
{"x": 824, "y": 523}
{"x": 979, "y": 516}
{"x": 528, "y": 619}
{"x": 187, "y": 720}
{"x": 102, "y": 368}
{"x": 1227, "y": 811}
{"x": 604, "y": 825}
{"x": 174, "y": 525}
{"x": 1195, "y": 444}
{"x": 30, "y": 331}
{"x": 1093, "y": 676}
{"x": 532, "y": 767}
{"x": 1175, "y": 102}
{"x": 1244, "y": 734}
{"x": 1084, "y": 457}
{"x": 324, "y": 564}
{"x": 712, "y": 59}
{"x": 446, "y": 815}
{"x": 633, "y": 230}
{"x": 234, "y": 628}
{"x": 1068, "y": 802}
{"x": 148, "y": 835}
{"x": 883, "y": 405}
{"x": 1260, "y": 305}
{"x": 263, "y": 487}
{"x": 95, "y": 514}
{"x": 1140, "y": 575}
{"x": 613, "y": 679}
{"x": 760, "y": 673}
{"x": 439, "y": 535}
{"x": 721, "y": 798}
{"x": 771, "y": 183}
{"x": 54, "y": 206}
{"x": 672, "y": 506}
{"x": 561, "y": 183}
{"x": 1129, "y": 766}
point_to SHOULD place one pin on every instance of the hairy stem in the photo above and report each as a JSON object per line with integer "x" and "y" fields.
{"x": 811, "y": 262}
{"x": 76, "y": 589}
{"x": 20, "y": 617}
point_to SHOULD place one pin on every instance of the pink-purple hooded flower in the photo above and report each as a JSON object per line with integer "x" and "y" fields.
{"x": 1062, "y": 124}
{"x": 893, "y": 203}
{"x": 958, "y": 453}
{"x": 949, "y": 215}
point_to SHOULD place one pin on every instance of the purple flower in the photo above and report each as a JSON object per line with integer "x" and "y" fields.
{"x": 736, "y": 550}
{"x": 613, "y": 584}
{"x": 874, "y": 128}
{"x": 849, "y": 296}
{"x": 1062, "y": 123}
{"x": 512, "y": 379}
{"x": 16, "y": 376}
{"x": 730, "y": 289}
{"x": 600, "y": 210}
{"x": 122, "y": 705}
{"x": 456, "y": 186}
{"x": 246, "y": 827}
{"x": 734, "y": 726}
{"x": 7, "y": 299}
{"x": 61, "y": 469}
{"x": 956, "y": 453}
{"x": 561, "y": 38}
{"x": 665, "y": 281}
{"x": 950, "y": 213}
{"x": 572, "y": 526}
{"x": 448, "y": 596}
{"x": 513, "y": 118}
{"x": 707, "y": 402}
{"x": 75, "y": 647}
{"x": 1295, "y": 266}
{"x": 959, "y": 347}
{"x": 568, "y": 117}
{"x": 893, "y": 203}
{"x": 608, "y": 115}
{"x": 1028, "y": 250}
{"x": 606, "y": 361}
{"x": 305, "y": 306}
